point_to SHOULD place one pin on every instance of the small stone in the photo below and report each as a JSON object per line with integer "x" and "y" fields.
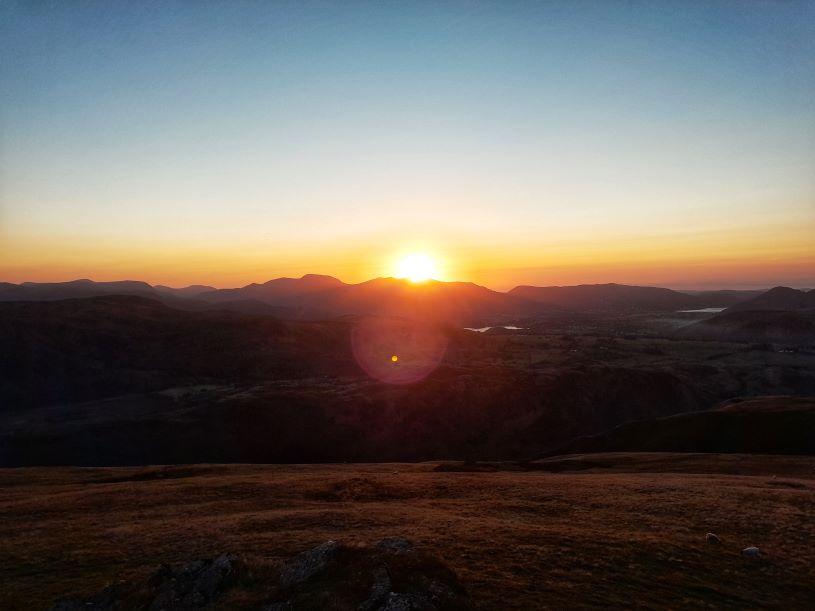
{"x": 751, "y": 552}
{"x": 713, "y": 539}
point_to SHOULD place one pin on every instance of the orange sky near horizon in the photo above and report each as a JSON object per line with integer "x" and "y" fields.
{"x": 745, "y": 257}
{"x": 666, "y": 143}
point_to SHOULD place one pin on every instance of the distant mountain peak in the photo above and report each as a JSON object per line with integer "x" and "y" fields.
{"x": 782, "y": 298}
{"x": 322, "y": 278}
{"x": 783, "y": 290}
{"x": 309, "y": 279}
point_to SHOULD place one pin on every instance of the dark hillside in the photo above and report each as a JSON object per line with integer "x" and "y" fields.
{"x": 763, "y": 425}
{"x": 82, "y": 349}
{"x": 781, "y": 298}
{"x": 786, "y": 327}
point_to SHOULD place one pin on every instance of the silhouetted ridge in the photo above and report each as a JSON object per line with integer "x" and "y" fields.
{"x": 782, "y": 298}
{"x": 607, "y": 296}
{"x": 188, "y": 291}
{"x": 317, "y": 296}
{"x": 42, "y": 291}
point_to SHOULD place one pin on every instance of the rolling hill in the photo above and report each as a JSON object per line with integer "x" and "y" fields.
{"x": 775, "y": 326}
{"x": 780, "y": 298}
{"x": 607, "y": 297}
{"x": 621, "y": 298}
{"x": 759, "y": 425}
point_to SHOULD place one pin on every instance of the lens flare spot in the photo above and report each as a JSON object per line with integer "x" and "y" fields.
{"x": 397, "y": 351}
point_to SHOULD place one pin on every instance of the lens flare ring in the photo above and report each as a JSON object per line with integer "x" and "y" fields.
{"x": 397, "y": 351}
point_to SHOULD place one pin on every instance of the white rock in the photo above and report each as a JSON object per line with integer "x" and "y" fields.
{"x": 751, "y": 552}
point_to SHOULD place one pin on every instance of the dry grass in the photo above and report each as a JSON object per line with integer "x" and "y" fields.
{"x": 518, "y": 540}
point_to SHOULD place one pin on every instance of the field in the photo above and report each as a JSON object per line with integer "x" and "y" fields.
{"x": 602, "y": 531}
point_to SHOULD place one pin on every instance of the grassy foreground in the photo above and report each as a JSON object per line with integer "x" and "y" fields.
{"x": 621, "y": 530}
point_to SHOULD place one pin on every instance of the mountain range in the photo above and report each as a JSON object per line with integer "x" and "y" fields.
{"x": 314, "y": 296}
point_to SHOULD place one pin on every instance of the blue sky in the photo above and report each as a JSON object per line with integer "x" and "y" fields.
{"x": 518, "y": 141}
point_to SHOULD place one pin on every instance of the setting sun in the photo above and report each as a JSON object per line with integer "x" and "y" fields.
{"x": 416, "y": 268}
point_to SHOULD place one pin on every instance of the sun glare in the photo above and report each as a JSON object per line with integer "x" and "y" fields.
{"x": 416, "y": 268}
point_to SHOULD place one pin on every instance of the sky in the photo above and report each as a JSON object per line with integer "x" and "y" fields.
{"x": 228, "y": 142}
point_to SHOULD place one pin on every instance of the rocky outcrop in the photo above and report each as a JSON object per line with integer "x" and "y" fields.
{"x": 306, "y": 565}
{"x": 190, "y": 586}
{"x": 390, "y": 576}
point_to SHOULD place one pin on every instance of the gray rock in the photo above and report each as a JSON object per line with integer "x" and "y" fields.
{"x": 440, "y": 591}
{"x": 217, "y": 576}
{"x": 102, "y": 601}
{"x": 713, "y": 539}
{"x": 75, "y": 604}
{"x": 408, "y": 602}
{"x": 391, "y": 576}
{"x": 751, "y": 552}
{"x": 379, "y": 590}
{"x": 194, "y": 584}
{"x": 397, "y": 578}
{"x": 396, "y": 545}
{"x": 191, "y": 568}
{"x": 306, "y": 565}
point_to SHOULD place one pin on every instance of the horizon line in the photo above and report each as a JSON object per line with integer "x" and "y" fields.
{"x": 702, "y": 288}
